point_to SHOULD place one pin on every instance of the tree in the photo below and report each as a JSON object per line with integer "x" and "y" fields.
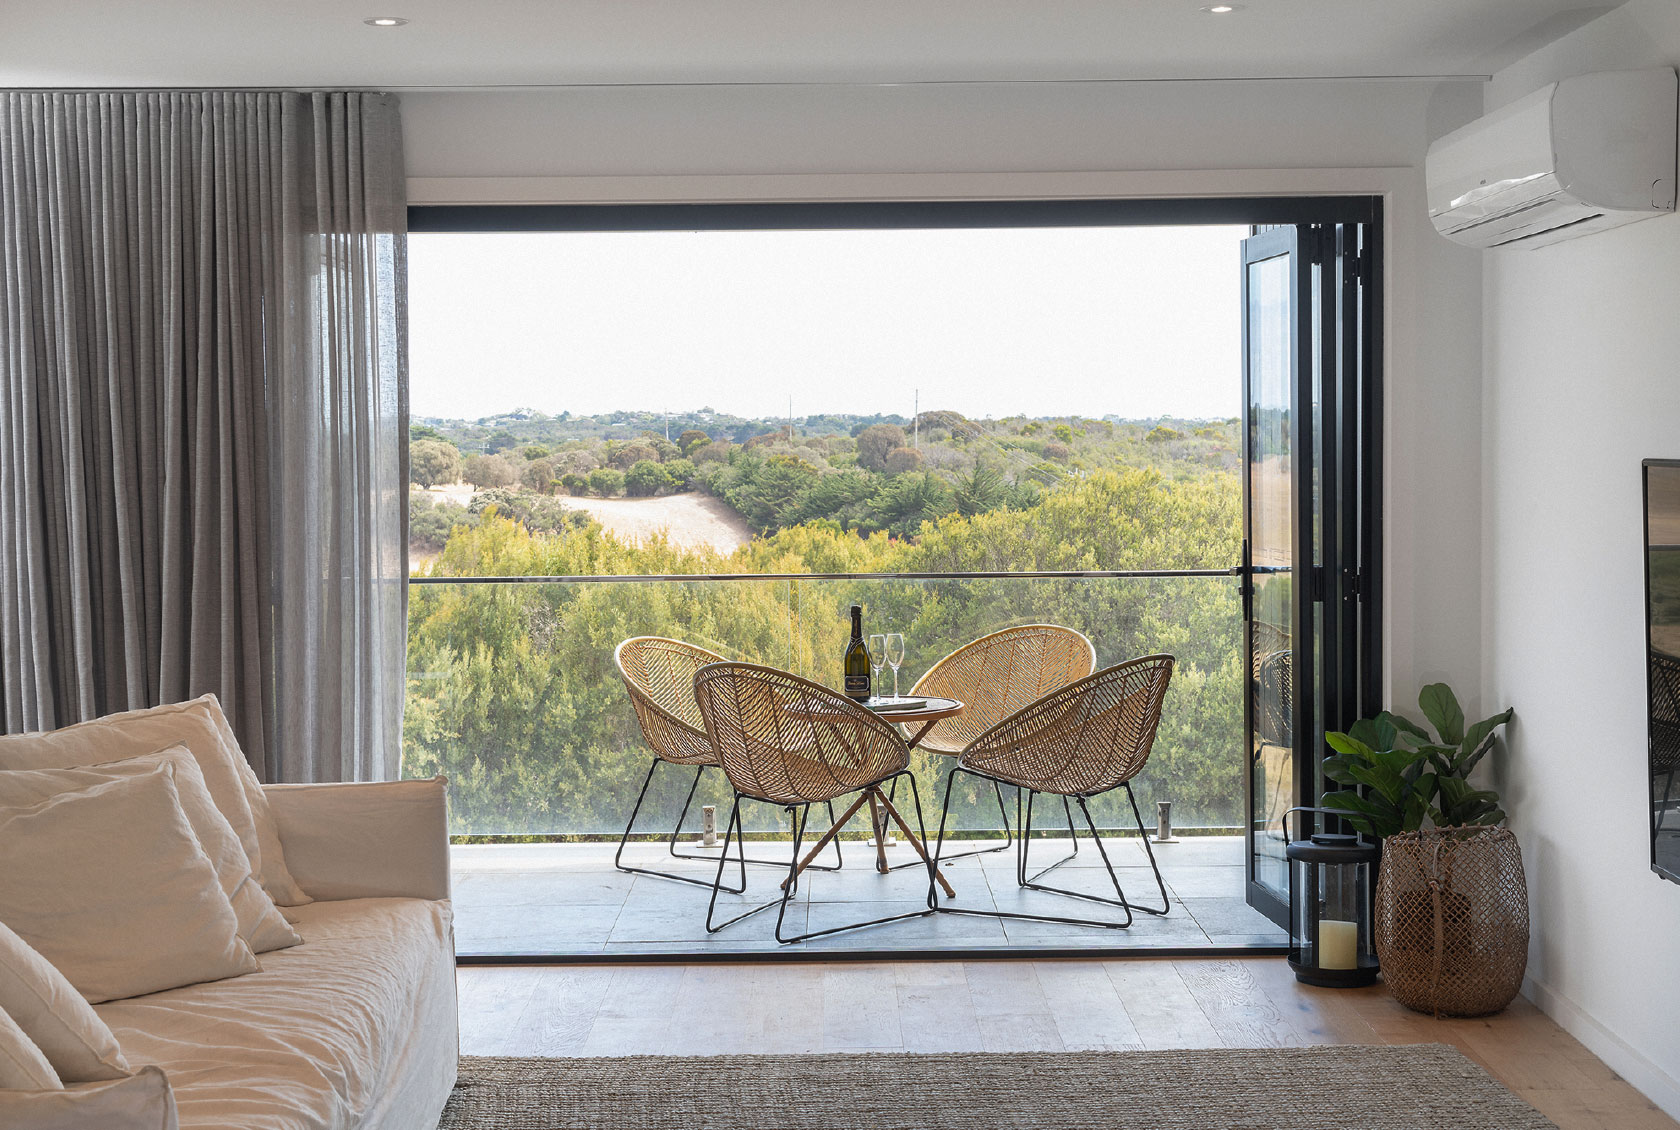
{"x": 499, "y": 440}
{"x": 906, "y": 501}
{"x": 981, "y": 490}
{"x": 874, "y": 442}
{"x": 534, "y": 451}
{"x": 691, "y": 440}
{"x": 429, "y": 525}
{"x": 681, "y": 472}
{"x": 574, "y": 483}
{"x": 606, "y": 482}
{"x": 625, "y": 456}
{"x": 433, "y": 461}
{"x": 645, "y": 478}
{"x": 902, "y": 459}
{"x": 538, "y": 475}
{"x": 489, "y": 471}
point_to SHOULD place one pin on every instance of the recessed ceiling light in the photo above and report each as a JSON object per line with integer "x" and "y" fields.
{"x": 385, "y": 21}
{"x": 1221, "y": 9}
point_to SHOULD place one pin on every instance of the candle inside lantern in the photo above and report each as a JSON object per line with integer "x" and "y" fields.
{"x": 1338, "y": 945}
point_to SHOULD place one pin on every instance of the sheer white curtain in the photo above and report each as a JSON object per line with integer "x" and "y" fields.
{"x": 203, "y": 416}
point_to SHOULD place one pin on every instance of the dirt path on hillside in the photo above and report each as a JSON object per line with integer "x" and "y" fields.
{"x": 691, "y": 520}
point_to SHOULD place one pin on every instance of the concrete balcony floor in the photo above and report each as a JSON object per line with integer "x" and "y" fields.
{"x": 567, "y": 900}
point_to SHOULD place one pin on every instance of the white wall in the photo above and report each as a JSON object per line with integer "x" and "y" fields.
{"x": 1582, "y": 381}
{"x": 1124, "y": 139}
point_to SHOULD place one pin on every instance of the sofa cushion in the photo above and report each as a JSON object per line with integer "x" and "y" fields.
{"x": 110, "y": 885}
{"x": 54, "y": 1015}
{"x": 260, "y": 924}
{"x": 141, "y": 1101}
{"x": 198, "y": 724}
{"x": 354, "y": 1028}
{"x": 23, "y": 1066}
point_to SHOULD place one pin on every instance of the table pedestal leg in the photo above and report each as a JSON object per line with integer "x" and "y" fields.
{"x": 878, "y": 821}
{"x": 921, "y": 848}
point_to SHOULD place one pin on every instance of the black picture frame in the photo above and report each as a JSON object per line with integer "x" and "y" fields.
{"x": 1662, "y": 664}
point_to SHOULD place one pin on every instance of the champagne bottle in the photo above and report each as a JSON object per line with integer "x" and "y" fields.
{"x": 857, "y": 660}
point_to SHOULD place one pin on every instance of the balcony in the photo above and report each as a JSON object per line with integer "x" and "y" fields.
{"x": 513, "y": 695}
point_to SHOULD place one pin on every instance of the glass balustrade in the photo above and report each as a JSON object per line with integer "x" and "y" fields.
{"x": 513, "y": 694}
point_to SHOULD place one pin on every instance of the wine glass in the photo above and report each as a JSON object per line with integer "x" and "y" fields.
{"x": 895, "y": 657}
{"x": 877, "y": 658}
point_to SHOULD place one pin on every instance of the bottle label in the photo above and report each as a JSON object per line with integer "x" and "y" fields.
{"x": 857, "y": 686}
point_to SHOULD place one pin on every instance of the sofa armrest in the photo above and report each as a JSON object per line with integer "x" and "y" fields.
{"x": 384, "y": 839}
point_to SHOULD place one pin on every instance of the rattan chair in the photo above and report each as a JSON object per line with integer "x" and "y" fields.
{"x": 659, "y": 674}
{"x": 1086, "y": 739}
{"x": 786, "y": 741}
{"x": 995, "y": 676}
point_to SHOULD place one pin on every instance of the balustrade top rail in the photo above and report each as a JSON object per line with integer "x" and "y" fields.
{"x": 643, "y": 578}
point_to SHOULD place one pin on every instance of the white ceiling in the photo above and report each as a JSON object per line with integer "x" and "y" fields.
{"x": 451, "y": 43}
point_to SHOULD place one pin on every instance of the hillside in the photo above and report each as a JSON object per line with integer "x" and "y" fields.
{"x": 860, "y": 474}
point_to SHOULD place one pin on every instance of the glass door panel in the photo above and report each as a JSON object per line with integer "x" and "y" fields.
{"x": 1276, "y": 461}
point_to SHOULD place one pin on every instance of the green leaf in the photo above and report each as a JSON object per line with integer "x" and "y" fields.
{"x": 1440, "y": 706}
{"x": 1462, "y": 803}
{"x": 1401, "y": 722}
{"x": 1474, "y": 735}
{"x": 1337, "y": 769}
{"x": 1349, "y": 745}
{"x": 1367, "y": 816}
{"x": 1370, "y": 733}
{"x": 1467, "y": 760}
{"x": 1388, "y": 784}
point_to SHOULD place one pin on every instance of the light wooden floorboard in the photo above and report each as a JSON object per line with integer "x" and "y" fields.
{"x": 714, "y": 1009}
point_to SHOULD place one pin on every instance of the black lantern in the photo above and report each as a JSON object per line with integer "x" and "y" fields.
{"x": 1330, "y": 908}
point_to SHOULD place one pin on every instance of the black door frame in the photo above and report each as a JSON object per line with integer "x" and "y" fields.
{"x": 1351, "y": 566}
{"x": 1336, "y": 501}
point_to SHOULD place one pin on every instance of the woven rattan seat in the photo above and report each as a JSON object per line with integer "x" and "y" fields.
{"x": 997, "y": 675}
{"x": 787, "y": 741}
{"x": 1085, "y": 739}
{"x": 659, "y": 675}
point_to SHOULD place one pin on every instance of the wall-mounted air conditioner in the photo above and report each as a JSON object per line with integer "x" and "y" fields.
{"x": 1579, "y": 156}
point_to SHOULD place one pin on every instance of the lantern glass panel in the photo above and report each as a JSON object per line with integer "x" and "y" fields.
{"x": 1330, "y": 896}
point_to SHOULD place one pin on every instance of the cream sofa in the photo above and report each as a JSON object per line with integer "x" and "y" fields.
{"x": 346, "y": 1019}
{"x": 356, "y": 1028}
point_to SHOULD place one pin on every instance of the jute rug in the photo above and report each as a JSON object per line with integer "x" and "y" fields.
{"x": 1421, "y": 1087}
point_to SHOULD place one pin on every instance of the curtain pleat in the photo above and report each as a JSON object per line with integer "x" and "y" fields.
{"x": 203, "y": 417}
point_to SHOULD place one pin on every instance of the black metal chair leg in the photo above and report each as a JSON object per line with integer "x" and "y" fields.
{"x": 1026, "y": 844}
{"x": 711, "y": 905}
{"x": 839, "y": 861}
{"x": 618, "y": 856}
{"x": 809, "y": 934}
{"x": 1025, "y": 825}
{"x": 1143, "y": 834}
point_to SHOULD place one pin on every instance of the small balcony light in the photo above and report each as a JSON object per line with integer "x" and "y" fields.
{"x": 385, "y": 21}
{"x": 1221, "y": 9}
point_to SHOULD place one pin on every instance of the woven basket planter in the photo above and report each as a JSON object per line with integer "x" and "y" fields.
{"x": 1452, "y": 919}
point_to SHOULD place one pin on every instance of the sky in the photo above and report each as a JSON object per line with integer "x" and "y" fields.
{"x": 1134, "y": 322}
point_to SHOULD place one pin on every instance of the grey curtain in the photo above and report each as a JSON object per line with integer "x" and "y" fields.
{"x": 203, "y": 417}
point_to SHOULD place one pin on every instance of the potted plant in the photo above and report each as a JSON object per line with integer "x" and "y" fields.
{"x": 1451, "y": 921}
